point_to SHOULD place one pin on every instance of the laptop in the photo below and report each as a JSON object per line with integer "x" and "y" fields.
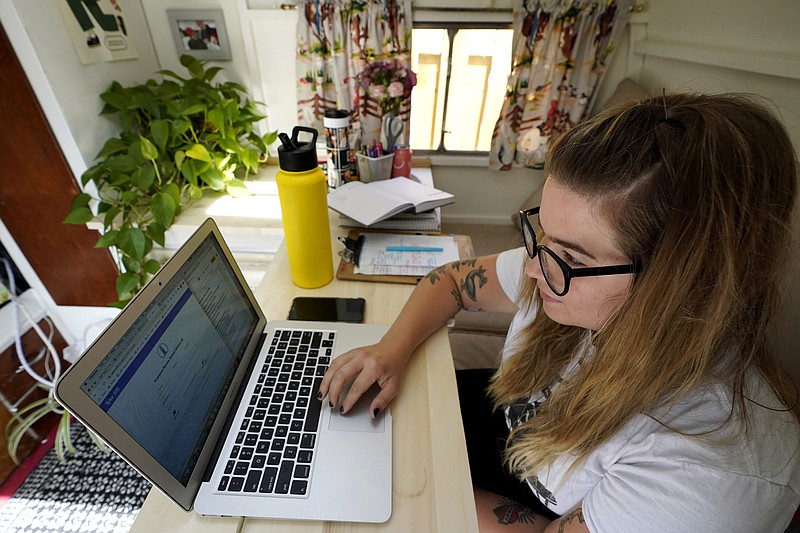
{"x": 219, "y": 409}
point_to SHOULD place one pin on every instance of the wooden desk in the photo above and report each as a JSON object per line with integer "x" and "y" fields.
{"x": 432, "y": 487}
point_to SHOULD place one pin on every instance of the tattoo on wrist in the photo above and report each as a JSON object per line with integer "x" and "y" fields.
{"x": 511, "y": 512}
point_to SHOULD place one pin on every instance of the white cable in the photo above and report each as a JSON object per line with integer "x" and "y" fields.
{"x": 16, "y": 307}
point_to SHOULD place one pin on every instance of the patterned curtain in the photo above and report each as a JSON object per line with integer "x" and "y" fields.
{"x": 336, "y": 40}
{"x": 561, "y": 52}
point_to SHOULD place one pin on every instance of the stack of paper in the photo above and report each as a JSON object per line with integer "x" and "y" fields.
{"x": 427, "y": 221}
{"x": 405, "y": 255}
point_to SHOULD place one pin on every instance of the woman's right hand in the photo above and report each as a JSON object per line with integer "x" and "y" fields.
{"x": 377, "y": 363}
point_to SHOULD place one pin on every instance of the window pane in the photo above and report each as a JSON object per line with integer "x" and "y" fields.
{"x": 430, "y": 52}
{"x": 481, "y": 65}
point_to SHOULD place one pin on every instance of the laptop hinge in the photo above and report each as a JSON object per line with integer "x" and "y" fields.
{"x": 233, "y": 410}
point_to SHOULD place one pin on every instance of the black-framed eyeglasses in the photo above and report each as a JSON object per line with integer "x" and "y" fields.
{"x": 557, "y": 273}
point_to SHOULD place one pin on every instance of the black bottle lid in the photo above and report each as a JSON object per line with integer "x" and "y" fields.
{"x": 296, "y": 156}
{"x": 337, "y": 113}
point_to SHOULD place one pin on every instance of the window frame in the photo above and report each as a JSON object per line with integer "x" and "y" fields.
{"x": 452, "y": 20}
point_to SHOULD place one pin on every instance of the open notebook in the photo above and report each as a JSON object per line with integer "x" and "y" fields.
{"x": 219, "y": 409}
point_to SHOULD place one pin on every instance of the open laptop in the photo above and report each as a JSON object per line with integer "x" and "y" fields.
{"x": 218, "y": 409}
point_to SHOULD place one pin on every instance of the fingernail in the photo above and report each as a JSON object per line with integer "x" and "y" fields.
{"x": 341, "y": 409}
{"x": 331, "y": 404}
{"x": 376, "y": 412}
{"x": 319, "y": 396}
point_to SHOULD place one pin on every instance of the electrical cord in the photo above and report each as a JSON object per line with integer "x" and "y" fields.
{"x": 53, "y": 374}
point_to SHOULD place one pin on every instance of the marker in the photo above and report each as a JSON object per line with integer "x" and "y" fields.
{"x": 413, "y": 249}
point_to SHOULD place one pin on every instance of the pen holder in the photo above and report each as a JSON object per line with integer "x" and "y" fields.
{"x": 374, "y": 168}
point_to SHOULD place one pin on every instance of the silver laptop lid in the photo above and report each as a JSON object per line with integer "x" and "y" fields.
{"x": 158, "y": 383}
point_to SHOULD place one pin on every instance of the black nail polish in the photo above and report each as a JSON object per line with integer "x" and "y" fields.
{"x": 376, "y": 412}
{"x": 341, "y": 409}
{"x": 319, "y": 396}
{"x": 331, "y": 404}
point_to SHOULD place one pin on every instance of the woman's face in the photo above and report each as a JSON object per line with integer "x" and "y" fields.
{"x": 575, "y": 229}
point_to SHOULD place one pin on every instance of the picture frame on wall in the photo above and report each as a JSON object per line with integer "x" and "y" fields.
{"x": 200, "y": 33}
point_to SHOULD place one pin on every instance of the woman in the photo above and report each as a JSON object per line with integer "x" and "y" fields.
{"x": 637, "y": 379}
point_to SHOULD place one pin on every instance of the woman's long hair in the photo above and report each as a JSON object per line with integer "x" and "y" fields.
{"x": 701, "y": 191}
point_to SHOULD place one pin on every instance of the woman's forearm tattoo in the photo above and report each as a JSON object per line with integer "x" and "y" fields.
{"x": 470, "y": 283}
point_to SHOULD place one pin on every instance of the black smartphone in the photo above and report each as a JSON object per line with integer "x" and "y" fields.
{"x": 321, "y": 309}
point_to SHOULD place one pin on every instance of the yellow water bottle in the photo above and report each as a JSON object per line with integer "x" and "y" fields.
{"x": 302, "y": 189}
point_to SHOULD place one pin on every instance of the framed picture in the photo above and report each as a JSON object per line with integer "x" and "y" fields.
{"x": 200, "y": 32}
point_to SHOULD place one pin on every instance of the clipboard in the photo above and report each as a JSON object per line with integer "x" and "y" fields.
{"x": 346, "y": 270}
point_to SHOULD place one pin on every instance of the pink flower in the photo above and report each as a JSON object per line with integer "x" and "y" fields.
{"x": 377, "y": 91}
{"x": 396, "y": 89}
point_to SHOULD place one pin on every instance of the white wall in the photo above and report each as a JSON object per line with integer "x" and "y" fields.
{"x": 72, "y": 96}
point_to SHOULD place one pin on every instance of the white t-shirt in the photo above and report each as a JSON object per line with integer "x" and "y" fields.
{"x": 650, "y": 478}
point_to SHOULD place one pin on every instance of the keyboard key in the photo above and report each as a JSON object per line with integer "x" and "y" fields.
{"x": 236, "y": 484}
{"x": 312, "y": 414}
{"x": 253, "y": 481}
{"x": 223, "y": 483}
{"x": 305, "y": 456}
{"x": 299, "y": 487}
{"x": 268, "y": 480}
{"x": 308, "y": 440}
{"x": 284, "y": 478}
{"x": 241, "y": 468}
{"x": 302, "y": 471}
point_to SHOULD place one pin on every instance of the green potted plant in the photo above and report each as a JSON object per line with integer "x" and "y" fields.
{"x": 179, "y": 138}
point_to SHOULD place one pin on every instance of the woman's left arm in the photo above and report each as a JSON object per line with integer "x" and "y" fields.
{"x": 497, "y": 514}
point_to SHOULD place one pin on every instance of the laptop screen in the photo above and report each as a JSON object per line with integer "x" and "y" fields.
{"x": 165, "y": 380}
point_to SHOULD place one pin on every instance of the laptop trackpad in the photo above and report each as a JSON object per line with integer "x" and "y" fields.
{"x": 359, "y": 418}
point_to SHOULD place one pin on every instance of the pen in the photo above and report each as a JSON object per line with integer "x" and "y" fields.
{"x": 413, "y": 249}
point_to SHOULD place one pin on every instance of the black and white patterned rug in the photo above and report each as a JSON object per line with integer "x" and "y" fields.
{"x": 94, "y": 492}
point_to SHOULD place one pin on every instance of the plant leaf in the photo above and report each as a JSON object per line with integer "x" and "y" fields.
{"x": 213, "y": 178}
{"x": 236, "y": 188}
{"x": 82, "y": 200}
{"x": 121, "y": 163}
{"x": 82, "y": 215}
{"x": 159, "y": 130}
{"x": 147, "y": 149}
{"x": 132, "y": 241}
{"x": 217, "y": 118}
{"x": 156, "y": 232}
{"x": 152, "y": 266}
{"x": 107, "y": 239}
{"x": 163, "y": 208}
{"x": 198, "y": 151}
{"x": 126, "y": 284}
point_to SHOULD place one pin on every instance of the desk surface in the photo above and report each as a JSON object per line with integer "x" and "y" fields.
{"x": 432, "y": 488}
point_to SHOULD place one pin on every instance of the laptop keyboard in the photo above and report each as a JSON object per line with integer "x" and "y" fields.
{"x": 276, "y": 441}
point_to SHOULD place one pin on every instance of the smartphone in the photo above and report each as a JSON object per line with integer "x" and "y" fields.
{"x": 321, "y": 309}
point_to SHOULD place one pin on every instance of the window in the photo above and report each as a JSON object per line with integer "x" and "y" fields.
{"x": 461, "y": 79}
